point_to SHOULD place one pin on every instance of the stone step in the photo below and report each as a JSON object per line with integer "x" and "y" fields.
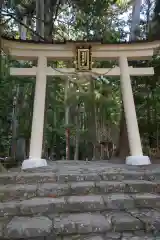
{"x": 102, "y": 187}
{"x": 137, "y": 235}
{"x": 20, "y": 192}
{"x": 79, "y": 204}
{"x": 52, "y": 177}
{"x": 85, "y": 223}
{"x": 117, "y": 225}
{"x": 27, "y": 178}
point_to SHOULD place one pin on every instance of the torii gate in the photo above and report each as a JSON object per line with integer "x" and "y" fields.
{"x": 83, "y": 53}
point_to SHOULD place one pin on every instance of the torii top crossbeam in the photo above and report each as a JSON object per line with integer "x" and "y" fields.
{"x": 82, "y": 53}
{"x": 28, "y": 49}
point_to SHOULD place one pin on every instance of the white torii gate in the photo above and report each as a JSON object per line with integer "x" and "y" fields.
{"x": 42, "y": 51}
{"x": 41, "y": 72}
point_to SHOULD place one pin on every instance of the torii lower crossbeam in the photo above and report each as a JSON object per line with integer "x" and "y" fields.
{"x": 71, "y": 71}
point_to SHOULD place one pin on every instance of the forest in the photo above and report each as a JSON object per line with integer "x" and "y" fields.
{"x": 84, "y": 114}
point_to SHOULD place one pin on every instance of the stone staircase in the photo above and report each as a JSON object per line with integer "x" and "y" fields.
{"x": 81, "y": 201}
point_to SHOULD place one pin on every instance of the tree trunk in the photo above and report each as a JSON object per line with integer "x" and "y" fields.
{"x": 123, "y": 146}
{"x": 76, "y": 153}
{"x": 148, "y": 17}
{"x": 38, "y": 19}
{"x": 42, "y": 18}
{"x": 17, "y": 151}
{"x": 135, "y": 19}
{"x": 67, "y": 110}
{"x": 49, "y": 13}
{"x": 1, "y": 4}
{"x": 2, "y": 168}
{"x": 14, "y": 124}
{"x": 92, "y": 119}
{"x": 1, "y": 29}
{"x": 23, "y": 29}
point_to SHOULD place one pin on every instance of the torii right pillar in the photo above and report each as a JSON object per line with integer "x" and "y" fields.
{"x": 137, "y": 157}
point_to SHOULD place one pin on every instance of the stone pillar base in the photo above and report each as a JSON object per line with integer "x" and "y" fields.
{"x": 33, "y": 163}
{"x": 138, "y": 160}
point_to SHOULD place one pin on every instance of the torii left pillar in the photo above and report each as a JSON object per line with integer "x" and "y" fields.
{"x": 35, "y": 154}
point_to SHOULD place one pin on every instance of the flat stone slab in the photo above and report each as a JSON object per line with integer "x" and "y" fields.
{"x": 147, "y": 200}
{"x": 78, "y": 177}
{"x": 42, "y": 205}
{"x": 81, "y": 224}
{"x": 105, "y": 187}
{"x": 125, "y": 222}
{"x": 53, "y": 190}
{"x": 112, "y": 236}
{"x": 80, "y": 237}
{"x": 9, "y": 209}
{"x": 25, "y": 227}
{"x": 149, "y": 217}
{"x": 82, "y": 188}
{"x": 140, "y": 238}
{"x": 119, "y": 201}
{"x": 140, "y": 186}
{"x": 85, "y": 203}
{"x": 29, "y": 178}
{"x": 17, "y": 192}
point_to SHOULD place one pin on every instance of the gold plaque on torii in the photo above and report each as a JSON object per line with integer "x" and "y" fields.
{"x": 83, "y": 58}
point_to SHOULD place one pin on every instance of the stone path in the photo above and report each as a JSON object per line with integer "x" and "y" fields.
{"x": 75, "y": 200}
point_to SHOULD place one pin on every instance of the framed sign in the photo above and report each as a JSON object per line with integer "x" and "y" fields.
{"x": 83, "y": 58}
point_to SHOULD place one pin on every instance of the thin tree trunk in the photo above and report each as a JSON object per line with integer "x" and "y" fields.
{"x": 148, "y": 18}
{"x": 49, "y": 21}
{"x": 38, "y": 19}
{"x": 76, "y": 153}
{"x": 1, "y": 30}
{"x": 14, "y": 124}
{"x": 23, "y": 29}
{"x": 149, "y": 117}
{"x": 42, "y": 18}
{"x": 123, "y": 146}
{"x": 15, "y": 108}
{"x": 135, "y": 19}
{"x": 16, "y": 149}
{"x": 67, "y": 110}
{"x": 92, "y": 120}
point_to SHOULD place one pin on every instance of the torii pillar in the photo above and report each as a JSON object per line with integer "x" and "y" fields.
{"x": 36, "y": 141}
{"x": 137, "y": 157}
